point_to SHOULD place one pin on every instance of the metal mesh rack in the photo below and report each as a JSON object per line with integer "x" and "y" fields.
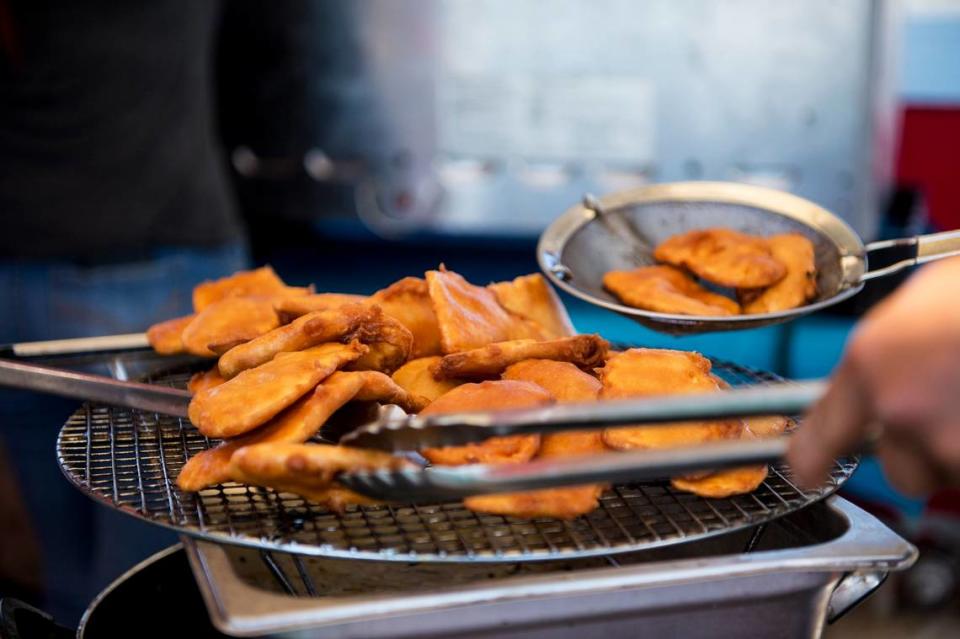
{"x": 130, "y": 459}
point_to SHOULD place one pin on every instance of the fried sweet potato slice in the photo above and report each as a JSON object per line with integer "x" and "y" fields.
{"x": 204, "y": 380}
{"x": 531, "y": 297}
{"x": 166, "y": 338}
{"x": 389, "y": 342}
{"x": 738, "y": 481}
{"x": 586, "y": 351}
{"x": 665, "y": 289}
{"x": 331, "y": 325}
{"x": 798, "y": 287}
{"x": 229, "y": 321}
{"x": 408, "y": 301}
{"x": 642, "y": 372}
{"x": 416, "y": 377}
{"x": 470, "y": 316}
{"x": 298, "y": 423}
{"x": 488, "y": 396}
{"x": 723, "y": 256}
{"x": 257, "y": 394}
{"x": 260, "y": 282}
{"x": 566, "y": 383}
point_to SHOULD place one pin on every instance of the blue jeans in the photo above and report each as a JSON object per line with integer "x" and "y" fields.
{"x": 84, "y": 545}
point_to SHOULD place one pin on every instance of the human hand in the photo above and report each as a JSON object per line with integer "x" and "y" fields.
{"x": 899, "y": 380}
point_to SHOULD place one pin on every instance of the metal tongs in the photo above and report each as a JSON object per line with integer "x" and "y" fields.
{"x": 413, "y": 433}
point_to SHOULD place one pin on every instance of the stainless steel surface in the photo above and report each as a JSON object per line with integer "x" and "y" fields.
{"x": 65, "y": 383}
{"x": 491, "y": 115}
{"x": 105, "y": 343}
{"x": 129, "y": 459}
{"x": 443, "y": 482}
{"x": 579, "y": 247}
{"x": 934, "y": 246}
{"x": 414, "y": 432}
{"x": 775, "y": 581}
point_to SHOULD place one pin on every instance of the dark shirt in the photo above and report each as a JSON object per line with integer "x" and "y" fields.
{"x": 107, "y": 136}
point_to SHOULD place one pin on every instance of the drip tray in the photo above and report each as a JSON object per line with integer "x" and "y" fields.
{"x": 780, "y": 576}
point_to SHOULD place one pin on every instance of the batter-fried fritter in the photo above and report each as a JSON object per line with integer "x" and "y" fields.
{"x": 586, "y": 351}
{"x": 261, "y": 282}
{"x": 416, "y": 376}
{"x": 166, "y": 338}
{"x": 344, "y": 323}
{"x": 798, "y": 287}
{"x": 531, "y": 297}
{"x": 388, "y": 340}
{"x": 204, "y": 380}
{"x": 230, "y": 321}
{"x": 408, "y": 301}
{"x": 488, "y": 396}
{"x": 642, "y": 372}
{"x": 290, "y": 308}
{"x": 470, "y": 316}
{"x": 298, "y": 423}
{"x": 257, "y": 394}
{"x": 723, "y": 256}
{"x": 566, "y": 383}
{"x": 665, "y": 289}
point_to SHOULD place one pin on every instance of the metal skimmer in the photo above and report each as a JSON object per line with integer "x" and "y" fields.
{"x": 129, "y": 459}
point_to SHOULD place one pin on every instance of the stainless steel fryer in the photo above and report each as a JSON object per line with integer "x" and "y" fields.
{"x": 784, "y": 579}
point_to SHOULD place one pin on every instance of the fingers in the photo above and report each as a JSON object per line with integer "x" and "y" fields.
{"x": 906, "y": 466}
{"x": 835, "y": 425}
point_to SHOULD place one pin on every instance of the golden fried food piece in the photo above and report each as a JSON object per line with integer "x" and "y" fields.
{"x": 531, "y": 297}
{"x": 566, "y": 383}
{"x": 261, "y": 282}
{"x": 665, "y": 289}
{"x": 166, "y": 337}
{"x": 310, "y": 465}
{"x": 230, "y": 321}
{"x": 798, "y": 287}
{"x": 408, "y": 301}
{"x": 470, "y": 316}
{"x": 257, "y": 394}
{"x": 586, "y": 351}
{"x": 298, "y": 423}
{"x": 723, "y": 256}
{"x": 738, "y": 481}
{"x": 290, "y": 308}
{"x": 416, "y": 377}
{"x": 204, "y": 380}
{"x": 331, "y": 325}
{"x": 388, "y": 340}
{"x": 488, "y": 396}
{"x": 641, "y": 372}
{"x": 767, "y": 426}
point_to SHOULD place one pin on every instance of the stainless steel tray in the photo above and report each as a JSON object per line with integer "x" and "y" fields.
{"x": 785, "y": 579}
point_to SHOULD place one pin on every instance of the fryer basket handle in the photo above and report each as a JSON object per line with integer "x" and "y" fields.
{"x": 852, "y": 589}
{"x": 930, "y": 247}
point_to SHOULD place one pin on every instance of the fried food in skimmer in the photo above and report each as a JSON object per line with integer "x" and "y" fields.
{"x": 257, "y": 394}
{"x": 204, "y": 380}
{"x": 566, "y": 383}
{"x": 723, "y": 256}
{"x": 531, "y": 297}
{"x": 488, "y": 396}
{"x": 586, "y": 351}
{"x": 166, "y": 337}
{"x": 230, "y": 321}
{"x": 798, "y": 287}
{"x": 416, "y": 377}
{"x": 408, "y": 301}
{"x": 470, "y": 316}
{"x": 665, "y": 289}
{"x": 642, "y": 372}
{"x": 298, "y": 423}
{"x": 261, "y": 282}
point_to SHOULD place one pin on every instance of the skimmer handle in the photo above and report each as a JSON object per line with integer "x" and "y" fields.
{"x": 930, "y": 247}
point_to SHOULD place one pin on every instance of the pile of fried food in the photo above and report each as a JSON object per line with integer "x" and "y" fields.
{"x": 291, "y": 361}
{"x": 767, "y": 275}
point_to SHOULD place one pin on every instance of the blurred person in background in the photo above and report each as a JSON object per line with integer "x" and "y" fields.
{"x": 114, "y": 202}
